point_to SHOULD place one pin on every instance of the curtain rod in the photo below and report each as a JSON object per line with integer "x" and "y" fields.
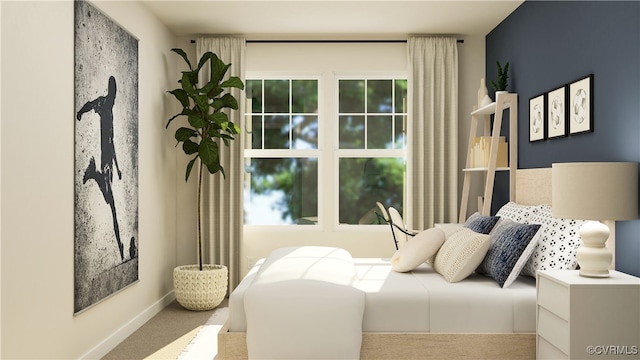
{"x": 326, "y": 41}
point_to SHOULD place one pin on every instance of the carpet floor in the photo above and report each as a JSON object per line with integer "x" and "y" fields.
{"x": 174, "y": 333}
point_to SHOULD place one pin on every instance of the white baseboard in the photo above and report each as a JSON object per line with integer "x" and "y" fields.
{"x": 129, "y": 328}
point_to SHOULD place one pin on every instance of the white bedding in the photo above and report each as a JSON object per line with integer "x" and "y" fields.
{"x": 422, "y": 301}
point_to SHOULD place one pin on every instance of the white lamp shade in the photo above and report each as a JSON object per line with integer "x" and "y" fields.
{"x": 595, "y": 190}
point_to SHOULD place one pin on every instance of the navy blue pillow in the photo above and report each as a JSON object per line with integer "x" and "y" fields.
{"x": 482, "y": 224}
{"x": 509, "y": 241}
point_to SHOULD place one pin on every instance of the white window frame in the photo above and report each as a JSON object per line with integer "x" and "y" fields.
{"x": 288, "y": 153}
{"x": 360, "y": 153}
{"x": 328, "y": 152}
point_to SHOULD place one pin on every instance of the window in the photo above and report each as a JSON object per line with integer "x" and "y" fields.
{"x": 291, "y": 138}
{"x": 371, "y": 152}
{"x": 281, "y": 153}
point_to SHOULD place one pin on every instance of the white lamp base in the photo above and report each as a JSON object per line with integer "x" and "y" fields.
{"x": 593, "y": 257}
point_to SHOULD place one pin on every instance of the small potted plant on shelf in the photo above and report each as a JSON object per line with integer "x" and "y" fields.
{"x": 502, "y": 73}
{"x": 203, "y": 286}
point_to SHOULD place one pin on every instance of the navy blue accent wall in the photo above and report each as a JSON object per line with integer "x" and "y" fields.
{"x": 551, "y": 43}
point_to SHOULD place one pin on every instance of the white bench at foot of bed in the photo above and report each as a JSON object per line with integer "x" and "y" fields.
{"x": 304, "y": 304}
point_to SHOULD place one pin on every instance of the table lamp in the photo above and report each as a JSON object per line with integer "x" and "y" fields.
{"x": 594, "y": 191}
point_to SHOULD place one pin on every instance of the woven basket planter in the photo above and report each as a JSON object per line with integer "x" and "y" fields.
{"x": 200, "y": 290}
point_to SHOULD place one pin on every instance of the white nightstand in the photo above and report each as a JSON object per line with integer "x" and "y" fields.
{"x": 587, "y": 318}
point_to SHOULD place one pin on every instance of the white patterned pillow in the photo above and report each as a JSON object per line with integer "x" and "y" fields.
{"x": 516, "y": 212}
{"x": 557, "y": 244}
{"x": 461, "y": 254}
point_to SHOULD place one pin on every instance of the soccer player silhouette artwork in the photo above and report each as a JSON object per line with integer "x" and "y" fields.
{"x": 103, "y": 106}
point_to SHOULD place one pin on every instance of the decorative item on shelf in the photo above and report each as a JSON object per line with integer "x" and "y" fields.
{"x": 503, "y": 76}
{"x": 486, "y": 100}
{"x": 482, "y": 93}
{"x": 481, "y": 150}
{"x": 203, "y": 286}
{"x": 595, "y": 191}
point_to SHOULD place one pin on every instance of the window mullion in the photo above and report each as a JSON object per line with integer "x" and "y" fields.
{"x": 393, "y": 114}
{"x": 366, "y": 114}
{"x": 290, "y": 114}
{"x": 263, "y": 127}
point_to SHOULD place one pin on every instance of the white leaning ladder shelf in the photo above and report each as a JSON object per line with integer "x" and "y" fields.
{"x": 504, "y": 101}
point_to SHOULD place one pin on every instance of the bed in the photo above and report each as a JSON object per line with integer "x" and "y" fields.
{"x": 405, "y": 315}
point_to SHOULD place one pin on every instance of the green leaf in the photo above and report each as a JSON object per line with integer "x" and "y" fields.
{"x": 210, "y": 88}
{"x": 233, "y": 128}
{"x": 189, "y": 167}
{"x": 234, "y": 82}
{"x": 205, "y": 57}
{"x": 202, "y": 102}
{"x": 218, "y": 69}
{"x": 187, "y": 82}
{"x": 229, "y": 101}
{"x": 183, "y": 54}
{"x": 214, "y": 168}
{"x": 184, "y": 133}
{"x": 182, "y": 96}
{"x": 208, "y": 153}
{"x": 196, "y": 120}
{"x": 218, "y": 118}
{"x": 217, "y": 104}
{"x": 189, "y": 147}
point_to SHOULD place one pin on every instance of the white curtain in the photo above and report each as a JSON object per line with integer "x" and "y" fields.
{"x": 222, "y": 211}
{"x": 432, "y": 155}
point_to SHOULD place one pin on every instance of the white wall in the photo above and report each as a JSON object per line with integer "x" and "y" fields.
{"x": 37, "y": 214}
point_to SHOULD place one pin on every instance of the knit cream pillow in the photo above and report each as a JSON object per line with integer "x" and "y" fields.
{"x": 461, "y": 254}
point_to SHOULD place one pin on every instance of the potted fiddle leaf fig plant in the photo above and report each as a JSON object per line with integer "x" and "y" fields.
{"x": 203, "y": 286}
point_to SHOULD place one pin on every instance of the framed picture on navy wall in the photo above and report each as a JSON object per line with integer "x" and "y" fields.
{"x": 537, "y": 115}
{"x": 581, "y": 105}
{"x": 557, "y": 112}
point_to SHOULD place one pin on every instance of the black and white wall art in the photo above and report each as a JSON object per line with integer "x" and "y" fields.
{"x": 581, "y": 101}
{"x": 106, "y": 157}
{"x": 537, "y": 111}
{"x": 557, "y": 112}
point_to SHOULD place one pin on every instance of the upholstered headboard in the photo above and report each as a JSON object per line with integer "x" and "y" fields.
{"x": 533, "y": 186}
